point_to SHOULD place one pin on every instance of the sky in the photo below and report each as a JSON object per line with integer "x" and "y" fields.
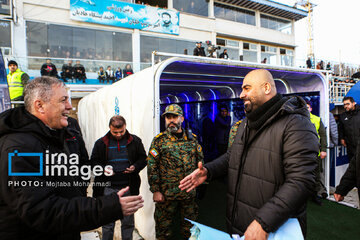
{"x": 336, "y": 31}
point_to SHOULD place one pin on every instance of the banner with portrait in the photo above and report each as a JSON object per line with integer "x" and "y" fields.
{"x": 126, "y": 15}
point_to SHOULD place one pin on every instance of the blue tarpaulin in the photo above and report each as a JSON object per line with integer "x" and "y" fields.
{"x": 4, "y": 90}
{"x": 289, "y": 230}
{"x": 355, "y": 92}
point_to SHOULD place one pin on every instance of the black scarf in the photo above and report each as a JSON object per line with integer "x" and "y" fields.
{"x": 258, "y": 117}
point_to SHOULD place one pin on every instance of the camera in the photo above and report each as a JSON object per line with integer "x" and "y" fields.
{"x": 212, "y": 49}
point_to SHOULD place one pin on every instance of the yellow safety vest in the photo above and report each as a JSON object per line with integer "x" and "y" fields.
{"x": 316, "y": 121}
{"x": 16, "y": 88}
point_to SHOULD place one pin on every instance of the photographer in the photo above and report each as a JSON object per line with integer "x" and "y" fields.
{"x": 199, "y": 50}
{"x": 212, "y": 49}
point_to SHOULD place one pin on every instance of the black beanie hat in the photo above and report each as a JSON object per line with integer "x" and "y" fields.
{"x": 12, "y": 62}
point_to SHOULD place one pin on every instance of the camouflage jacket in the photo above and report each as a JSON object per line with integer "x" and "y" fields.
{"x": 233, "y": 132}
{"x": 171, "y": 159}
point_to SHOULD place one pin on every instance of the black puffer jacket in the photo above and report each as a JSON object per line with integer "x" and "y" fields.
{"x": 272, "y": 173}
{"x": 351, "y": 177}
{"x": 43, "y": 211}
{"x": 349, "y": 128}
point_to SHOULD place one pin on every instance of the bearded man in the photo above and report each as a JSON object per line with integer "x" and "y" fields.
{"x": 271, "y": 163}
{"x": 173, "y": 154}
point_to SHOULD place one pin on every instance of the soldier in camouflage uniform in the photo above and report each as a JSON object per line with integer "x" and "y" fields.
{"x": 233, "y": 132}
{"x": 173, "y": 155}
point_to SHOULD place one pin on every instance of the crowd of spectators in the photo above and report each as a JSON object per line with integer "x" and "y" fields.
{"x": 77, "y": 73}
{"x": 69, "y": 73}
{"x": 344, "y": 80}
{"x": 319, "y": 66}
{"x": 347, "y": 76}
{"x": 109, "y": 75}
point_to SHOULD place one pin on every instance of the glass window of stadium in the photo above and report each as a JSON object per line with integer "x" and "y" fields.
{"x": 249, "y": 52}
{"x": 36, "y": 38}
{"x": 232, "y": 52}
{"x": 148, "y": 44}
{"x": 199, "y": 7}
{"x": 269, "y": 53}
{"x": 234, "y": 14}
{"x": 5, "y": 34}
{"x": 286, "y": 56}
{"x": 51, "y": 40}
{"x": 60, "y": 40}
{"x": 155, "y": 3}
{"x": 5, "y": 7}
{"x": 278, "y": 24}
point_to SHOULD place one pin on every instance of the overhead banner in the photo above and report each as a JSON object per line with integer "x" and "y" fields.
{"x": 126, "y": 15}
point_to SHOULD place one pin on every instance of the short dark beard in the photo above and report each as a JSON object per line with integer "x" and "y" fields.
{"x": 250, "y": 107}
{"x": 115, "y": 138}
{"x": 174, "y": 129}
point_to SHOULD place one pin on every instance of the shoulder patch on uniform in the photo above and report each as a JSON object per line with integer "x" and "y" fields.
{"x": 199, "y": 148}
{"x": 159, "y": 135}
{"x": 154, "y": 153}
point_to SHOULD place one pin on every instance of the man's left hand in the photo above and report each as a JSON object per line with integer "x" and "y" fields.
{"x": 130, "y": 169}
{"x": 255, "y": 232}
{"x": 323, "y": 155}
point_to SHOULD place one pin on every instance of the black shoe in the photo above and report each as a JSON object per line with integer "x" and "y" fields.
{"x": 317, "y": 200}
{"x": 324, "y": 195}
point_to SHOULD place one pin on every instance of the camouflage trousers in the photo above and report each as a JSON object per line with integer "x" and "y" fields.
{"x": 165, "y": 213}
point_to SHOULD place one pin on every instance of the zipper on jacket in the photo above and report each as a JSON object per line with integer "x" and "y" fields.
{"x": 248, "y": 142}
{"x": 243, "y": 157}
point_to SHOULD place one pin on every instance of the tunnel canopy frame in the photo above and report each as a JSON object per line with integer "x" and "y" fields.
{"x": 203, "y": 71}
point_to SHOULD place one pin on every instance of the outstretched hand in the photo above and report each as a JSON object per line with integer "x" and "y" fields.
{"x": 129, "y": 204}
{"x": 194, "y": 179}
{"x": 338, "y": 197}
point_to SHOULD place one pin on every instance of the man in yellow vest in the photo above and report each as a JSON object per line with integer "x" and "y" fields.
{"x": 17, "y": 80}
{"x": 320, "y": 189}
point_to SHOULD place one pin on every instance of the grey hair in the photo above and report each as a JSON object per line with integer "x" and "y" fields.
{"x": 39, "y": 88}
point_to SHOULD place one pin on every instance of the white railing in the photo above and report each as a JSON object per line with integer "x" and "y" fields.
{"x": 338, "y": 90}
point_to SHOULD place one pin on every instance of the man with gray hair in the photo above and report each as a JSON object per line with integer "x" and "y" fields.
{"x": 39, "y": 168}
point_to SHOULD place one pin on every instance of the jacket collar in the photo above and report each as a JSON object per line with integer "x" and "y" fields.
{"x": 259, "y": 116}
{"x": 291, "y": 105}
{"x": 355, "y": 111}
{"x": 17, "y": 71}
{"x": 107, "y": 136}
